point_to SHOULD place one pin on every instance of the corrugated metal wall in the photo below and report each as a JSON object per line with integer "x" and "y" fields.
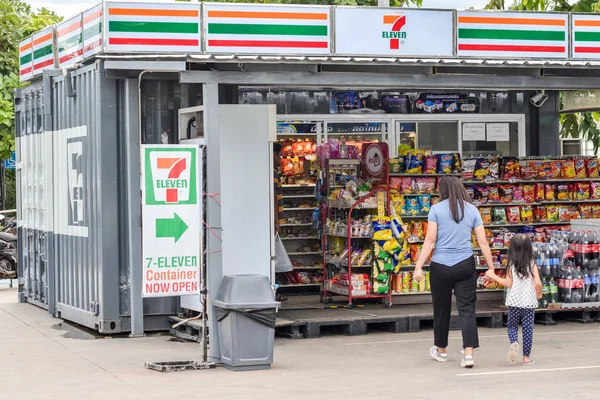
{"x": 71, "y": 192}
{"x": 34, "y": 183}
{"x": 86, "y": 217}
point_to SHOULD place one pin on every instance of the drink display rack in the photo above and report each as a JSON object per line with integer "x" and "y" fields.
{"x": 338, "y": 172}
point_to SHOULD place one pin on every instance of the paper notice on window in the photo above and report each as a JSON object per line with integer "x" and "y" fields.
{"x": 473, "y": 132}
{"x": 498, "y": 132}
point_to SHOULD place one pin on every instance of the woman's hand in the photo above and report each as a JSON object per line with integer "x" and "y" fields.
{"x": 418, "y": 274}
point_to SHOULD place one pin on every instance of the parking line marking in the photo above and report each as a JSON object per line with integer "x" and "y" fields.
{"x": 528, "y": 371}
{"x": 459, "y": 337}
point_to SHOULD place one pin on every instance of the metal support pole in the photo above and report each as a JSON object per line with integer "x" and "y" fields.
{"x": 134, "y": 208}
{"x": 210, "y": 102}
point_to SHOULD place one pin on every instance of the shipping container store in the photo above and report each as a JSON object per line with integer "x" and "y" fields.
{"x": 121, "y": 74}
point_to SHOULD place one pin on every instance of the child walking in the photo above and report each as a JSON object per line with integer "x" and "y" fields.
{"x": 524, "y": 290}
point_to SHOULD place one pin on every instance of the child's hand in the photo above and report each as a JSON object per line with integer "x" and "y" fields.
{"x": 490, "y": 274}
{"x": 538, "y": 291}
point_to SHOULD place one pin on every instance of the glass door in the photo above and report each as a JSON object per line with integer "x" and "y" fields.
{"x": 352, "y": 135}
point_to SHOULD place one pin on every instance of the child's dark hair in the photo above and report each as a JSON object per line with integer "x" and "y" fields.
{"x": 520, "y": 255}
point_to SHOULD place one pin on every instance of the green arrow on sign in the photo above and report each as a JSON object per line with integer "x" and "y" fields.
{"x": 170, "y": 227}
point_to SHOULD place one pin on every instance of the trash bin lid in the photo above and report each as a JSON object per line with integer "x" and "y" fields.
{"x": 245, "y": 291}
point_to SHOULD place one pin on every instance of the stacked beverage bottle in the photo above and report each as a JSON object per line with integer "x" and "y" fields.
{"x": 569, "y": 268}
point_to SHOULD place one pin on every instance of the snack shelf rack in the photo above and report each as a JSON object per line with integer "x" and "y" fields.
{"x": 347, "y": 290}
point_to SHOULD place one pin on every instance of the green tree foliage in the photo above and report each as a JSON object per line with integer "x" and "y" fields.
{"x": 576, "y": 125}
{"x": 17, "y": 21}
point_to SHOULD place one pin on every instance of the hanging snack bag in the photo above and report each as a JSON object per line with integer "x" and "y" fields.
{"x": 550, "y": 191}
{"x": 518, "y": 193}
{"x": 486, "y": 215}
{"x": 482, "y": 169}
{"x": 287, "y": 166}
{"x": 499, "y": 215}
{"x": 456, "y": 163}
{"x": 526, "y": 214}
{"x": 494, "y": 194}
{"x": 580, "y": 168}
{"x": 556, "y": 169}
{"x": 381, "y": 287}
{"x": 445, "y": 164}
{"x": 406, "y": 281}
{"x": 506, "y": 194}
{"x": 592, "y": 168}
{"x": 595, "y": 190}
{"x": 529, "y": 193}
{"x": 513, "y": 215}
{"x": 385, "y": 266}
{"x": 415, "y": 250}
{"x": 468, "y": 169}
{"x": 582, "y": 191}
{"x": 562, "y": 192}
{"x": 568, "y": 169}
{"x": 431, "y": 164}
{"x": 425, "y": 203}
{"x": 377, "y": 275}
{"x": 596, "y": 211}
{"x": 552, "y": 214}
{"x": 585, "y": 210}
{"x": 540, "y": 213}
{"x": 540, "y": 192}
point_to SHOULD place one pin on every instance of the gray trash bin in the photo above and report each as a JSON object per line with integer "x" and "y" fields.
{"x": 246, "y": 309}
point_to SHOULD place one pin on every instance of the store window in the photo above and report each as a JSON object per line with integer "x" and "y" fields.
{"x": 501, "y": 138}
{"x": 438, "y": 136}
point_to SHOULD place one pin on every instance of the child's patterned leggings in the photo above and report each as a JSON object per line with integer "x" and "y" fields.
{"x": 526, "y": 317}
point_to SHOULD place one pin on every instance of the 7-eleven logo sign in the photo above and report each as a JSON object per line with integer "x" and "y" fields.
{"x": 395, "y": 34}
{"x": 170, "y": 176}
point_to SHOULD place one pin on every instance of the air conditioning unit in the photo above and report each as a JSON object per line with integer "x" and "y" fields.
{"x": 571, "y": 147}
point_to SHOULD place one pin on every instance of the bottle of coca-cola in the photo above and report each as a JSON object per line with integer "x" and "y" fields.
{"x": 576, "y": 247}
{"x": 578, "y": 286}
{"x": 595, "y": 246}
{"x": 587, "y": 247}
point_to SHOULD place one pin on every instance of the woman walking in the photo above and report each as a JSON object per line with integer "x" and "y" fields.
{"x": 451, "y": 224}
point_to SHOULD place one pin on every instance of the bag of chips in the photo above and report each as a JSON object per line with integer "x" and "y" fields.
{"x": 506, "y": 193}
{"x": 562, "y": 192}
{"x": 540, "y": 192}
{"x": 556, "y": 169}
{"x": 595, "y": 191}
{"x": 445, "y": 163}
{"x": 552, "y": 214}
{"x": 482, "y": 169}
{"x": 580, "y": 168}
{"x": 526, "y": 214}
{"x": 540, "y": 213}
{"x": 510, "y": 168}
{"x": 582, "y": 191}
{"x": 431, "y": 164}
{"x": 550, "y": 191}
{"x": 585, "y": 211}
{"x": 494, "y": 196}
{"x": 396, "y": 166}
{"x": 425, "y": 203}
{"x": 499, "y": 215}
{"x": 414, "y": 162}
{"x": 513, "y": 215}
{"x": 595, "y": 210}
{"x": 468, "y": 169}
{"x": 529, "y": 193}
{"x": 592, "y": 168}
{"x": 518, "y": 193}
{"x": 456, "y": 163}
{"x": 406, "y": 186}
{"x": 486, "y": 215}
{"x": 568, "y": 169}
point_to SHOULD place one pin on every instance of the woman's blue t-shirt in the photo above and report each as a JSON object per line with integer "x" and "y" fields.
{"x": 453, "y": 243}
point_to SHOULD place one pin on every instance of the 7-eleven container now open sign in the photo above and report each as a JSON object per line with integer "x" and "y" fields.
{"x": 171, "y": 220}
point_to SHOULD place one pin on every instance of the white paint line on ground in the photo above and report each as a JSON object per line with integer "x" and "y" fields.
{"x": 460, "y": 338}
{"x": 529, "y": 371}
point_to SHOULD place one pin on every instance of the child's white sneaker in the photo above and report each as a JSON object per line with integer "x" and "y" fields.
{"x": 513, "y": 353}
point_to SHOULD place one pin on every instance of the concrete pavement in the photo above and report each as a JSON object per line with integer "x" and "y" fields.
{"x": 44, "y": 359}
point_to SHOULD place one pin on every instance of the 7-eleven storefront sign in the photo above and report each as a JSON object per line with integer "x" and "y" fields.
{"x": 171, "y": 220}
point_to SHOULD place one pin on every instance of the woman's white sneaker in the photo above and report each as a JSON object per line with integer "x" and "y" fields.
{"x": 436, "y": 355}
{"x": 467, "y": 362}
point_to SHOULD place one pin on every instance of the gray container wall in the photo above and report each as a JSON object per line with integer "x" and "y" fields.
{"x": 72, "y": 200}
{"x": 34, "y": 196}
{"x": 86, "y": 197}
